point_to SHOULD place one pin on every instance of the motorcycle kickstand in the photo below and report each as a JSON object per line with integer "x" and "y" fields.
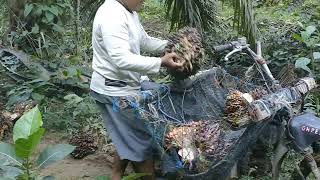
{"x": 279, "y": 154}
{"x": 299, "y": 175}
{"x": 313, "y": 165}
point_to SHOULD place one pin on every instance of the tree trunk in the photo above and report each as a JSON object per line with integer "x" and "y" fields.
{"x": 78, "y": 22}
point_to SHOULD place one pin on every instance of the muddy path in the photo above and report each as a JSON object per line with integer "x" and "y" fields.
{"x": 98, "y": 164}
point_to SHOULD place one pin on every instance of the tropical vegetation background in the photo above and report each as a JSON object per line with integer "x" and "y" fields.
{"x": 56, "y": 36}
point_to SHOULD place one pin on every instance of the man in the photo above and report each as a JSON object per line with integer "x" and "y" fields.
{"x": 117, "y": 39}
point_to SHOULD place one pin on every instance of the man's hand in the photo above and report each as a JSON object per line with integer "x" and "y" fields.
{"x": 168, "y": 61}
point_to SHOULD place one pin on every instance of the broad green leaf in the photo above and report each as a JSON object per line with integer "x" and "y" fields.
{"x": 44, "y": 20}
{"x": 38, "y": 11}
{"x": 37, "y": 97}
{"x": 53, "y": 154}
{"x": 57, "y": 28}
{"x": 72, "y": 99}
{"x": 27, "y": 125}
{"x": 310, "y": 30}
{"x": 5, "y": 178}
{"x": 27, "y": 10}
{"x": 19, "y": 96}
{"x": 102, "y": 178}
{"x": 297, "y": 37}
{"x": 302, "y": 63}
{"x": 316, "y": 56}
{"x": 49, "y": 16}
{"x": 73, "y": 72}
{"x": 54, "y": 10}
{"x": 305, "y": 35}
{"x": 4, "y": 161}
{"x": 24, "y": 33}
{"x": 135, "y": 176}
{"x": 35, "y": 29}
{"x": 45, "y": 7}
{"x": 8, "y": 153}
{"x": 9, "y": 172}
{"x": 25, "y": 147}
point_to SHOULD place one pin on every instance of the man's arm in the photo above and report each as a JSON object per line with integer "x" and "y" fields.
{"x": 151, "y": 44}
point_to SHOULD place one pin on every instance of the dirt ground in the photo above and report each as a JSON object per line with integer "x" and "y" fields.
{"x": 90, "y": 167}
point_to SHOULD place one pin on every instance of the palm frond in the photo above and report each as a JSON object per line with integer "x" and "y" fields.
{"x": 195, "y": 13}
{"x": 202, "y": 14}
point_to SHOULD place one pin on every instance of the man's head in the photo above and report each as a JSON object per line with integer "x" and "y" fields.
{"x": 132, "y": 5}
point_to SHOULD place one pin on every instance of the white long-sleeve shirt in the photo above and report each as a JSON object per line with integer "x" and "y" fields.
{"x": 117, "y": 39}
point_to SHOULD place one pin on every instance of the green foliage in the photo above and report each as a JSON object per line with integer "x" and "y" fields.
{"x": 42, "y": 27}
{"x": 27, "y": 135}
{"x": 74, "y": 113}
{"x": 4, "y": 20}
{"x": 312, "y": 103}
{"x": 152, "y": 9}
{"x": 56, "y": 117}
{"x": 103, "y": 178}
{"x": 27, "y": 125}
{"x": 302, "y": 63}
{"x": 48, "y": 15}
{"x": 268, "y": 3}
{"x": 310, "y": 37}
{"x": 202, "y": 14}
{"x": 61, "y": 78}
{"x": 195, "y": 13}
{"x": 26, "y": 146}
{"x": 8, "y": 154}
{"x": 133, "y": 176}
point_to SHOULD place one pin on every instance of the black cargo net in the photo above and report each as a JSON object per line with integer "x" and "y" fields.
{"x": 190, "y": 127}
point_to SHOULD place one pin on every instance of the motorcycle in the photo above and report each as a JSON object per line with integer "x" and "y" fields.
{"x": 283, "y": 104}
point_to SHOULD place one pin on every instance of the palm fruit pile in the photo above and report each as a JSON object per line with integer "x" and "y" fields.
{"x": 194, "y": 140}
{"x": 236, "y": 109}
{"x": 85, "y": 144}
{"x": 186, "y": 43}
{"x": 209, "y": 138}
{"x": 258, "y": 93}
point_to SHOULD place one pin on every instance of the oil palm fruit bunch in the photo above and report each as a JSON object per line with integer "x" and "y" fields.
{"x": 236, "y": 109}
{"x": 258, "y": 93}
{"x": 178, "y": 135}
{"x": 186, "y": 43}
{"x": 204, "y": 134}
{"x": 209, "y": 137}
{"x": 199, "y": 139}
{"x": 85, "y": 144}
